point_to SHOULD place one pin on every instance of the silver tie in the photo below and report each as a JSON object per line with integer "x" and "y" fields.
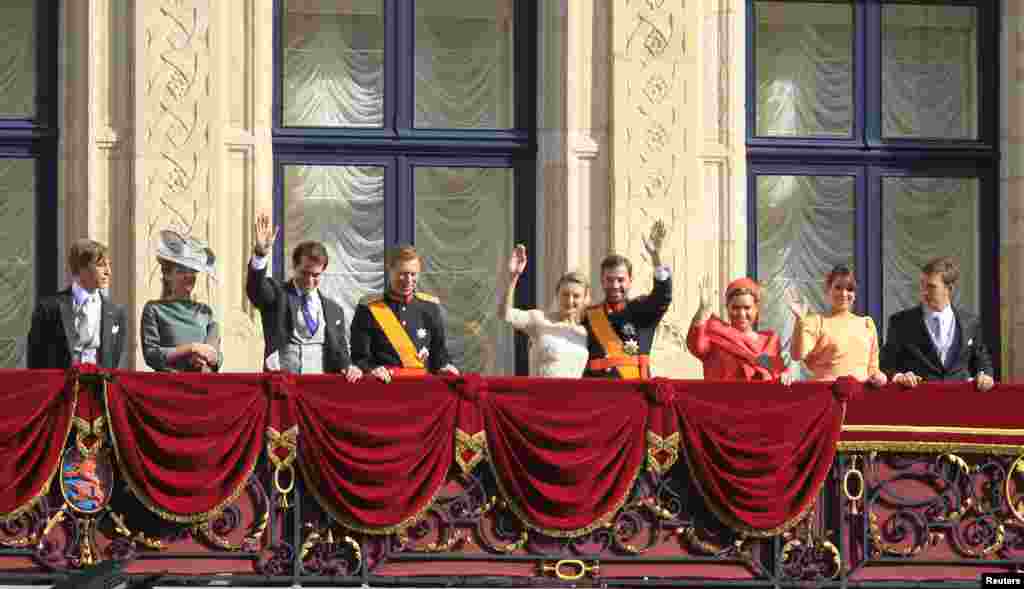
{"x": 82, "y": 329}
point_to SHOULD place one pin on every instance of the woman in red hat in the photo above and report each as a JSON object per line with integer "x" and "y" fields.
{"x": 736, "y": 350}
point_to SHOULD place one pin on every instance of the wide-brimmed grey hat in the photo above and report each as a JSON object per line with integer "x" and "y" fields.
{"x": 187, "y": 252}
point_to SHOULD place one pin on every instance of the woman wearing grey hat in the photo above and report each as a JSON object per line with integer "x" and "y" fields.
{"x": 179, "y": 333}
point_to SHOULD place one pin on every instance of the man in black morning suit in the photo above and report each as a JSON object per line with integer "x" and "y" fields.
{"x": 303, "y": 329}
{"x": 80, "y": 324}
{"x": 620, "y": 331}
{"x": 936, "y": 341}
{"x": 401, "y": 332}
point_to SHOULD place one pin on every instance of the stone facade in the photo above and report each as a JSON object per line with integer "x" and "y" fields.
{"x": 166, "y": 122}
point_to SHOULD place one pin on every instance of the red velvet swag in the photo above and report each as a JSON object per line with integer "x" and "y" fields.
{"x": 374, "y": 455}
{"x": 187, "y": 442}
{"x": 759, "y": 452}
{"x": 565, "y": 452}
{"x": 34, "y": 423}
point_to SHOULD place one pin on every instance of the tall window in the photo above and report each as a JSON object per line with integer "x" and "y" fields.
{"x": 28, "y": 139}
{"x": 872, "y": 142}
{"x": 400, "y": 121}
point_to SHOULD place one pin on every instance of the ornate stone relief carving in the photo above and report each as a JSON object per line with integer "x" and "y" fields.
{"x": 175, "y": 106}
{"x": 715, "y": 64}
{"x": 650, "y": 105}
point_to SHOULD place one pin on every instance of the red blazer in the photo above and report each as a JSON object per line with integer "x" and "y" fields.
{"x": 728, "y": 355}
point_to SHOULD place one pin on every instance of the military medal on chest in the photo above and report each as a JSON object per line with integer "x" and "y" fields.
{"x": 421, "y": 333}
{"x": 630, "y": 346}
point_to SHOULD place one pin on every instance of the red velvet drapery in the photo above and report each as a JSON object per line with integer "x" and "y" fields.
{"x": 565, "y": 452}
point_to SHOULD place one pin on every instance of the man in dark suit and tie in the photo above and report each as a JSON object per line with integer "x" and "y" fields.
{"x": 936, "y": 341}
{"x": 303, "y": 329}
{"x": 79, "y": 324}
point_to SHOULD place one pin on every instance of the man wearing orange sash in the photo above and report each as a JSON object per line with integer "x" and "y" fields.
{"x": 620, "y": 330}
{"x": 400, "y": 332}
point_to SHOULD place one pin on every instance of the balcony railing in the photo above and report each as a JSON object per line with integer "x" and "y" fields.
{"x": 270, "y": 479}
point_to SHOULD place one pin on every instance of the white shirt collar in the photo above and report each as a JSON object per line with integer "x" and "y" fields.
{"x": 945, "y": 315}
{"x": 80, "y": 296}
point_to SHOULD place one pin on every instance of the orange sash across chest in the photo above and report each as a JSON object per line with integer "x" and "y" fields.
{"x": 611, "y": 342}
{"x": 396, "y": 334}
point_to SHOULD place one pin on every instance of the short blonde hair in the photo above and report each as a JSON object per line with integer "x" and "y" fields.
{"x": 399, "y": 254}
{"x": 85, "y": 252}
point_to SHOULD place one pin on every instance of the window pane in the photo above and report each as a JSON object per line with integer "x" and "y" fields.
{"x": 929, "y": 71}
{"x": 17, "y": 262}
{"x": 18, "y": 58}
{"x": 333, "y": 63}
{"x": 805, "y": 226}
{"x": 804, "y": 58}
{"x": 924, "y": 218}
{"x": 464, "y": 64}
{"x": 464, "y": 231}
{"x": 343, "y": 207}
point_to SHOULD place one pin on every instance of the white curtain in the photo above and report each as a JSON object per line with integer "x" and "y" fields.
{"x": 343, "y": 207}
{"x": 924, "y": 218}
{"x": 805, "y": 226}
{"x": 464, "y": 232}
{"x": 18, "y": 58}
{"x": 463, "y": 68}
{"x": 929, "y": 71}
{"x": 804, "y": 69}
{"x": 18, "y": 261}
{"x": 334, "y": 70}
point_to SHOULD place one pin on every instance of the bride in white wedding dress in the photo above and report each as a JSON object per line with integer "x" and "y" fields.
{"x": 558, "y": 337}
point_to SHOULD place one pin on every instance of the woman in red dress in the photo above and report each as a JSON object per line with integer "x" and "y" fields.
{"x": 736, "y": 350}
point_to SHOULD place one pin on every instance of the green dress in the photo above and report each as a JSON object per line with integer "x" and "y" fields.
{"x": 167, "y": 324}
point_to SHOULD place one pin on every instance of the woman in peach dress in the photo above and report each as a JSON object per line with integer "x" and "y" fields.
{"x": 736, "y": 350}
{"x": 840, "y": 342}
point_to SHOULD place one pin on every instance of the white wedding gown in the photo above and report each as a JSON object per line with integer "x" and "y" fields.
{"x": 561, "y": 348}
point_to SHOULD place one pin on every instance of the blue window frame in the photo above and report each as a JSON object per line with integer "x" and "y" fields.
{"x": 872, "y": 136}
{"x": 373, "y": 147}
{"x": 28, "y": 165}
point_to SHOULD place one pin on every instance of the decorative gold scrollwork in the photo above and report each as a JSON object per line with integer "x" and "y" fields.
{"x": 283, "y": 462}
{"x": 571, "y": 569}
{"x": 470, "y": 449}
{"x": 854, "y": 474}
{"x": 86, "y": 431}
{"x": 662, "y": 452}
{"x": 121, "y": 528}
{"x": 1016, "y": 506}
{"x": 825, "y": 546}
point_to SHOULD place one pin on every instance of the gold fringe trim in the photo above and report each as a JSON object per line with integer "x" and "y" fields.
{"x": 145, "y": 500}
{"x": 602, "y": 520}
{"x": 931, "y": 447}
{"x": 475, "y": 443}
{"x": 343, "y": 520}
{"x": 31, "y": 503}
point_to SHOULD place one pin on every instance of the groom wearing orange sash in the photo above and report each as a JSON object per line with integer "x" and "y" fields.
{"x": 620, "y": 331}
{"x": 400, "y": 332}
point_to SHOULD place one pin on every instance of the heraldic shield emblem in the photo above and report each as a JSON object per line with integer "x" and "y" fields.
{"x": 86, "y": 479}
